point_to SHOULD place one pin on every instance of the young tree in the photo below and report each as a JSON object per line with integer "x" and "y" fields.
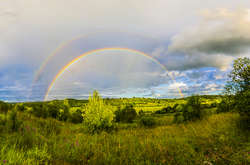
{"x": 98, "y": 115}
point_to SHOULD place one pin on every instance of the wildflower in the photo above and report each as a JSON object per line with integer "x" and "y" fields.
{"x": 77, "y": 143}
{"x": 4, "y": 161}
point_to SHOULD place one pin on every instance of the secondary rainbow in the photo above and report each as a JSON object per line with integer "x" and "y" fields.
{"x": 60, "y": 73}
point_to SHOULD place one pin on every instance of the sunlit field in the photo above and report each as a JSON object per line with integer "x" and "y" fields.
{"x": 214, "y": 139}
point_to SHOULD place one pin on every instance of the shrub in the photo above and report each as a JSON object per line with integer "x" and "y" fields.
{"x": 164, "y": 110}
{"x": 178, "y": 117}
{"x": 75, "y": 115}
{"x": 40, "y": 111}
{"x": 147, "y": 121}
{"x": 223, "y": 106}
{"x": 192, "y": 109}
{"x": 4, "y": 107}
{"x": 53, "y": 110}
{"x": 126, "y": 114}
{"x": 63, "y": 114}
{"x": 141, "y": 113}
{"x": 19, "y": 107}
{"x": 13, "y": 123}
{"x": 98, "y": 115}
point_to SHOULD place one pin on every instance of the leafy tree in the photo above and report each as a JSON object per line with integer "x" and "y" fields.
{"x": 192, "y": 109}
{"x": 98, "y": 115}
{"x": 238, "y": 86}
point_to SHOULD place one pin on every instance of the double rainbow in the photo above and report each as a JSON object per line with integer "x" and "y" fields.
{"x": 74, "y": 61}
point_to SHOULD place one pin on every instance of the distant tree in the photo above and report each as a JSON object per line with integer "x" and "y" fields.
{"x": 125, "y": 114}
{"x": 238, "y": 86}
{"x": 192, "y": 110}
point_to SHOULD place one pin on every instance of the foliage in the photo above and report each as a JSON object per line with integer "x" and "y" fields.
{"x": 75, "y": 115}
{"x": 19, "y": 107}
{"x": 98, "y": 115}
{"x": 147, "y": 121}
{"x": 192, "y": 110}
{"x": 238, "y": 86}
{"x": 178, "y": 117}
{"x": 216, "y": 140}
{"x": 165, "y": 110}
{"x": 125, "y": 114}
{"x": 13, "y": 122}
{"x": 4, "y": 107}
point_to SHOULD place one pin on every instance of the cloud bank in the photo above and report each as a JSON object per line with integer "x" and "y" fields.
{"x": 222, "y": 35}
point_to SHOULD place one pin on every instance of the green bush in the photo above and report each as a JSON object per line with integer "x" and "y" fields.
{"x": 63, "y": 114}
{"x": 4, "y": 107}
{"x": 126, "y": 114}
{"x": 97, "y": 115}
{"x": 75, "y": 115}
{"x": 178, "y": 117}
{"x": 164, "y": 110}
{"x": 13, "y": 122}
{"x": 192, "y": 109}
{"x": 147, "y": 121}
{"x": 19, "y": 107}
{"x": 223, "y": 106}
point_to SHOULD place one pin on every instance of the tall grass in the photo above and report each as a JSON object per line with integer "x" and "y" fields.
{"x": 215, "y": 140}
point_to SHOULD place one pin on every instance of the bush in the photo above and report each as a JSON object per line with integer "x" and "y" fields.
{"x": 189, "y": 112}
{"x": 19, "y": 107}
{"x": 98, "y": 115}
{"x": 178, "y": 117}
{"x": 75, "y": 115}
{"x": 53, "y": 110}
{"x": 223, "y": 106}
{"x": 164, "y": 110}
{"x": 147, "y": 121}
{"x": 192, "y": 110}
{"x": 243, "y": 104}
{"x": 4, "y": 107}
{"x": 126, "y": 114}
{"x": 63, "y": 114}
{"x": 13, "y": 123}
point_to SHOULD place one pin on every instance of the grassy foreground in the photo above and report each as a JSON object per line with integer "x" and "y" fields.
{"x": 216, "y": 139}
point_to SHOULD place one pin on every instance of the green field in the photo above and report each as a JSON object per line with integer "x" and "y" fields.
{"x": 215, "y": 139}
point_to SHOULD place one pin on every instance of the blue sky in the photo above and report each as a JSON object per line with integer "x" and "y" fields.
{"x": 196, "y": 41}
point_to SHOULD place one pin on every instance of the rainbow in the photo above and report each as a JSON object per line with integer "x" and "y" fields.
{"x": 64, "y": 45}
{"x": 66, "y": 67}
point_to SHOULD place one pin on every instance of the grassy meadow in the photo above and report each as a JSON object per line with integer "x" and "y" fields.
{"x": 217, "y": 138}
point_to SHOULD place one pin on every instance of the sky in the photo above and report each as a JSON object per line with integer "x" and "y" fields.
{"x": 167, "y": 47}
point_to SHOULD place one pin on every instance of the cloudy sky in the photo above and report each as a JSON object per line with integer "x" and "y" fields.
{"x": 196, "y": 42}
